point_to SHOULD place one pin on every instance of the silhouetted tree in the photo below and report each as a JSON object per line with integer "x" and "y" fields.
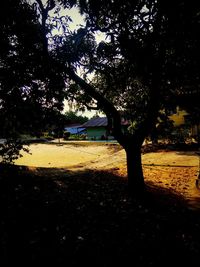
{"x": 150, "y": 56}
{"x": 30, "y": 87}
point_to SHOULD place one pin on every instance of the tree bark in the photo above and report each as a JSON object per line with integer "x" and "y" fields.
{"x": 134, "y": 170}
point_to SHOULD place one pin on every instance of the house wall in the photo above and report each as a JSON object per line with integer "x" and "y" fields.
{"x": 96, "y": 133}
{"x": 179, "y": 117}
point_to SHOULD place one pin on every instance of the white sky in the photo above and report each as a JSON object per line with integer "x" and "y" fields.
{"x": 88, "y": 114}
{"x": 78, "y": 20}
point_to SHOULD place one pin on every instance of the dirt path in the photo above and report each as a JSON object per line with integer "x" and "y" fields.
{"x": 176, "y": 171}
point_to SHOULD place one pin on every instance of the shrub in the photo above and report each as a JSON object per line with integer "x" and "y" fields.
{"x": 66, "y": 135}
{"x": 10, "y": 150}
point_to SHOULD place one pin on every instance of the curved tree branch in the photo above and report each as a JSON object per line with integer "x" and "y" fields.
{"x": 103, "y": 103}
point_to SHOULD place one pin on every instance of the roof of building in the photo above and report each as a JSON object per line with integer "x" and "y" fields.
{"x": 100, "y": 122}
{"x": 74, "y": 130}
{"x": 96, "y": 122}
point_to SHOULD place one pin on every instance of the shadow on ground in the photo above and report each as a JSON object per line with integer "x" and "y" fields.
{"x": 189, "y": 153}
{"x": 51, "y": 216}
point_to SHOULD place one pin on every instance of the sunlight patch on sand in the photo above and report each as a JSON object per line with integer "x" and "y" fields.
{"x": 44, "y": 155}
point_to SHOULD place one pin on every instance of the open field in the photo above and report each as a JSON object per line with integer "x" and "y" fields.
{"x": 173, "y": 170}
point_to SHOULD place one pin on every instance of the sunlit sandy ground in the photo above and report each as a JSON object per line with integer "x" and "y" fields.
{"x": 58, "y": 155}
{"x": 173, "y": 170}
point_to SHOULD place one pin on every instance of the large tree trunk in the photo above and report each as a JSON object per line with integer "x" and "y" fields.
{"x": 154, "y": 136}
{"x": 134, "y": 170}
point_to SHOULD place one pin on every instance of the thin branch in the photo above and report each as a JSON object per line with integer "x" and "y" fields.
{"x": 44, "y": 14}
{"x": 91, "y": 107}
{"x": 40, "y": 5}
{"x": 50, "y": 5}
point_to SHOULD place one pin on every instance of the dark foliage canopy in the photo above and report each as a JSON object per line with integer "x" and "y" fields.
{"x": 30, "y": 89}
{"x": 151, "y": 49}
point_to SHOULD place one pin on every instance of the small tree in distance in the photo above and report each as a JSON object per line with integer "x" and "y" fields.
{"x": 73, "y": 117}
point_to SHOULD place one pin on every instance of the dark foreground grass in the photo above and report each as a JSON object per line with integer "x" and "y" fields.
{"x": 51, "y": 217}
